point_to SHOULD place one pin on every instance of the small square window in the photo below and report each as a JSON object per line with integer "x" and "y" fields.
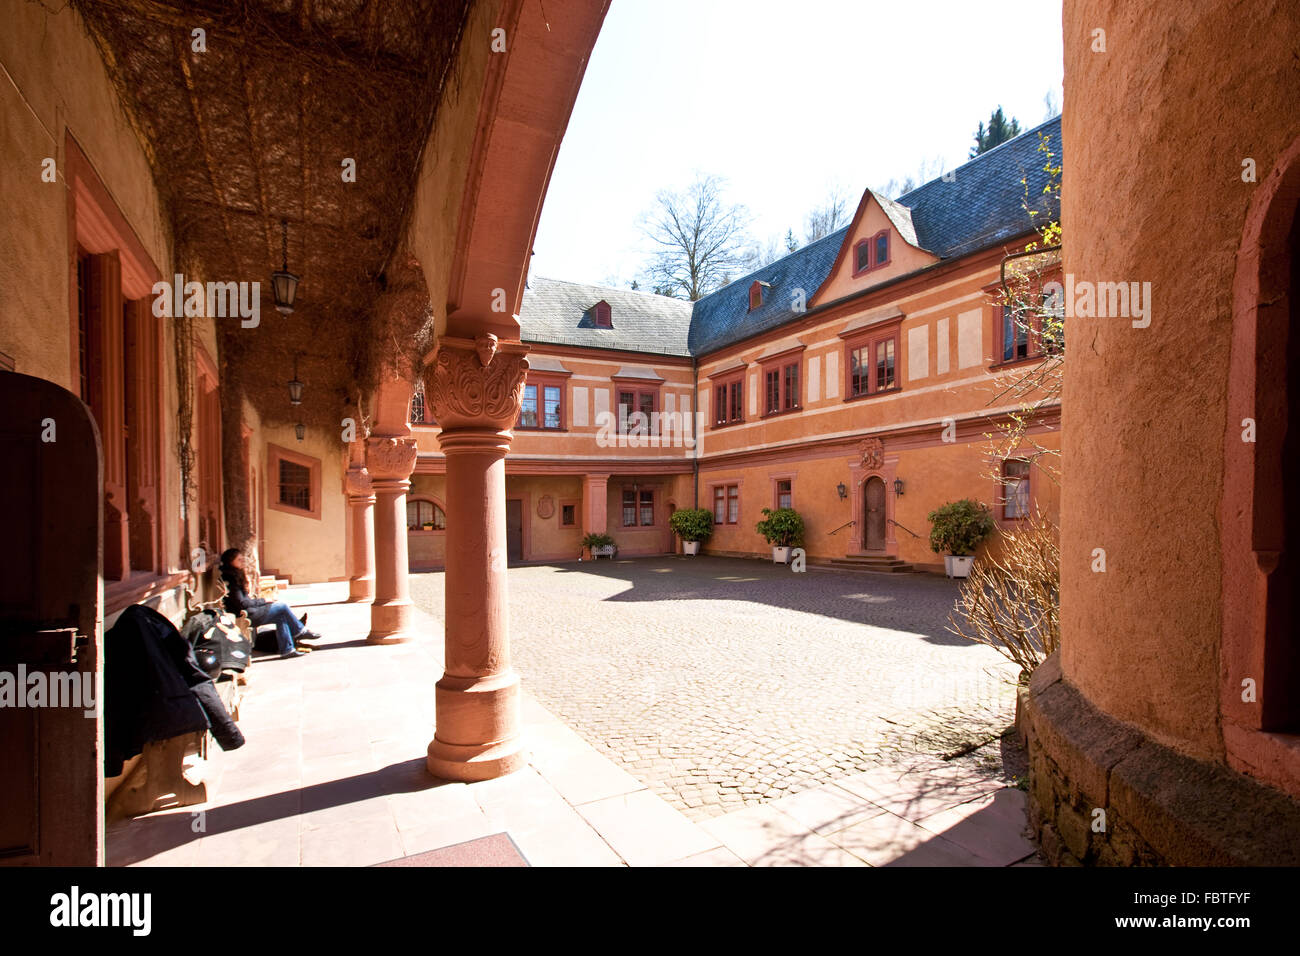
{"x": 568, "y": 516}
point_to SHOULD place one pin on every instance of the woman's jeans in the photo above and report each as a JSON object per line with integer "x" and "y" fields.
{"x": 287, "y": 625}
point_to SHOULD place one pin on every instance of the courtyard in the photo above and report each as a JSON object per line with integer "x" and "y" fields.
{"x": 724, "y": 683}
{"x": 678, "y": 711}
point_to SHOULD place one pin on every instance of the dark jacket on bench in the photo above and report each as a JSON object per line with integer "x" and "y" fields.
{"x": 154, "y": 689}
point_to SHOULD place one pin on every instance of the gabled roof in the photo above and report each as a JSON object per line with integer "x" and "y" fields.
{"x": 558, "y": 313}
{"x": 980, "y": 205}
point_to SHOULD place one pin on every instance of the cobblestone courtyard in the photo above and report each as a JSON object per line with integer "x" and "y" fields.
{"x": 722, "y": 683}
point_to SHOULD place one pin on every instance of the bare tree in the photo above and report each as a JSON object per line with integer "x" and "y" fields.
{"x": 926, "y": 171}
{"x": 827, "y": 217}
{"x": 701, "y": 239}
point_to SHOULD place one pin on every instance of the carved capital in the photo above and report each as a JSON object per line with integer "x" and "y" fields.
{"x": 390, "y": 458}
{"x": 477, "y": 383}
{"x": 356, "y": 482}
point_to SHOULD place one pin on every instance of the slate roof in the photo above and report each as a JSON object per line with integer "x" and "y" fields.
{"x": 723, "y": 317}
{"x": 558, "y": 313}
{"x": 980, "y": 207}
{"x": 983, "y": 205}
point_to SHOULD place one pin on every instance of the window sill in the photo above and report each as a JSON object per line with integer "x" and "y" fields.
{"x": 1014, "y": 363}
{"x": 883, "y": 391}
{"x": 537, "y": 428}
{"x": 738, "y": 421}
{"x": 424, "y": 531}
{"x": 290, "y": 510}
{"x": 784, "y": 411}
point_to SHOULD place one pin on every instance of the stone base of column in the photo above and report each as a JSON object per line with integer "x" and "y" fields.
{"x": 477, "y": 737}
{"x": 361, "y": 590}
{"x": 390, "y": 623}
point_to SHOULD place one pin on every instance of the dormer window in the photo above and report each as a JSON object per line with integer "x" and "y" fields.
{"x": 871, "y": 253}
{"x": 600, "y": 315}
{"x": 756, "y": 294}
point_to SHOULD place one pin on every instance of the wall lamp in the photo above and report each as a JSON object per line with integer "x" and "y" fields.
{"x": 843, "y": 492}
{"x": 898, "y": 487}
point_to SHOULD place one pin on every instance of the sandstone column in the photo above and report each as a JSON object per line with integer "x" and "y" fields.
{"x": 361, "y": 519}
{"x": 476, "y": 387}
{"x": 389, "y": 459}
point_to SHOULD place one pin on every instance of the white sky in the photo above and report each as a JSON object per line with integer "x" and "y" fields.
{"x": 772, "y": 94}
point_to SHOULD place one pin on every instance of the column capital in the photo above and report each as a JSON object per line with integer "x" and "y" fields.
{"x": 476, "y": 383}
{"x": 390, "y": 457}
{"x": 357, "y": 483}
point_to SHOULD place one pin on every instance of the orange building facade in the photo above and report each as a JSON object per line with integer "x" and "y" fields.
{"x": 860, "y": 380}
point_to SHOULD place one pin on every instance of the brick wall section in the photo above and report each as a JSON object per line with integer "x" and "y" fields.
{"x": 1162, "y": 808}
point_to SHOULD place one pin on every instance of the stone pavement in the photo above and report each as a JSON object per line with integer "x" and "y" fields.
{"x": 333, "y": 773}
{"x": 729, "y": 683}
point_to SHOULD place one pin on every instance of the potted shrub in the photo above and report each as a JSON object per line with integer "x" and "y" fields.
{"x": 600, "y": 545}
{"x": 956, "y": 530}
{"x": 693, "y": 526}
{"x": 782, "y": 528}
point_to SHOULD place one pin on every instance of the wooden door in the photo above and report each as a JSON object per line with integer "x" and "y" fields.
{"x": 514, "y": 529}
{"x": 52, "y": 795}
{"x": 873, "y": 521}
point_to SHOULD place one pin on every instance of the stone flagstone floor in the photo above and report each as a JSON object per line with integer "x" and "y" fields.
{"x": 333, "y": 774}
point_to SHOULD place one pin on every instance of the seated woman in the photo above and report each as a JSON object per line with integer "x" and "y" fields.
{"x": 288, "y": 627}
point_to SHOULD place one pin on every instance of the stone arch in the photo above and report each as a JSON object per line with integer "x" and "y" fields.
{"x": 1259, "y": 571}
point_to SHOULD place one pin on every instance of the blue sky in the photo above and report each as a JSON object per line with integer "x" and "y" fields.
{"x": 786, "y": 100}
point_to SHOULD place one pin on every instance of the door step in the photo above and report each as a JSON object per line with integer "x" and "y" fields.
{"x": 881, "y": 565}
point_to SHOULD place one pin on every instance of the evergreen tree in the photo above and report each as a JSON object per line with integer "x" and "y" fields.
{"x": 1000, "y": 129}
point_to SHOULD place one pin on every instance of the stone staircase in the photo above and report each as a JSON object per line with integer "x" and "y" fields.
{"x": 878, "y": 563}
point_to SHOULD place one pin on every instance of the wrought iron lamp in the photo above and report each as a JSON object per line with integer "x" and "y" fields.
{"x": 898, "y": 487}
{"x": 295, "y": 386}
{"x": 300, "y": 430}
{"x": 284, "y": 284}
{"x": 843, "y": 492}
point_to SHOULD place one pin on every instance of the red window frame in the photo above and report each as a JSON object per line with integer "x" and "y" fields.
{"x": 729, "y": 400}
{"x": 641, "y": 499}
{"x": 871, "y": 245}
{"x": 1016, "y": 500}
{"x": 781, "y": 385}
{"x": 788, "y": 494}
{"x": 540, "y": 383}
{"x": 755, "y": 295}
{"x": 726, "y": 503}
{"x": 602, "y": 315}
{"x": 869, "y": 341}
{"x": 275, "y": 455}
{"x": 643, "y": 394}
{"x": 1033, "y": 348}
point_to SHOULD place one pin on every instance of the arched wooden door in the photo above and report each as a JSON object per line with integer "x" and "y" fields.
{"x": 873, "y": 517}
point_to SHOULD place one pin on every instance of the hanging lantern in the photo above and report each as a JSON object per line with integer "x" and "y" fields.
{"x": 295, "y": 386}
{"x": 284, "y": 284}
{"x": 300, "y": 430}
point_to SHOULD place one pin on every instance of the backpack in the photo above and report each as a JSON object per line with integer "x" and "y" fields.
{"x": 218, "y": 643}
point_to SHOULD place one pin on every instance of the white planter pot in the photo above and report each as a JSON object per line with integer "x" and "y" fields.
{"x": 690, "y": 547}
{"x": 958, "y": 565}
{"x": 780, "y": 555}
